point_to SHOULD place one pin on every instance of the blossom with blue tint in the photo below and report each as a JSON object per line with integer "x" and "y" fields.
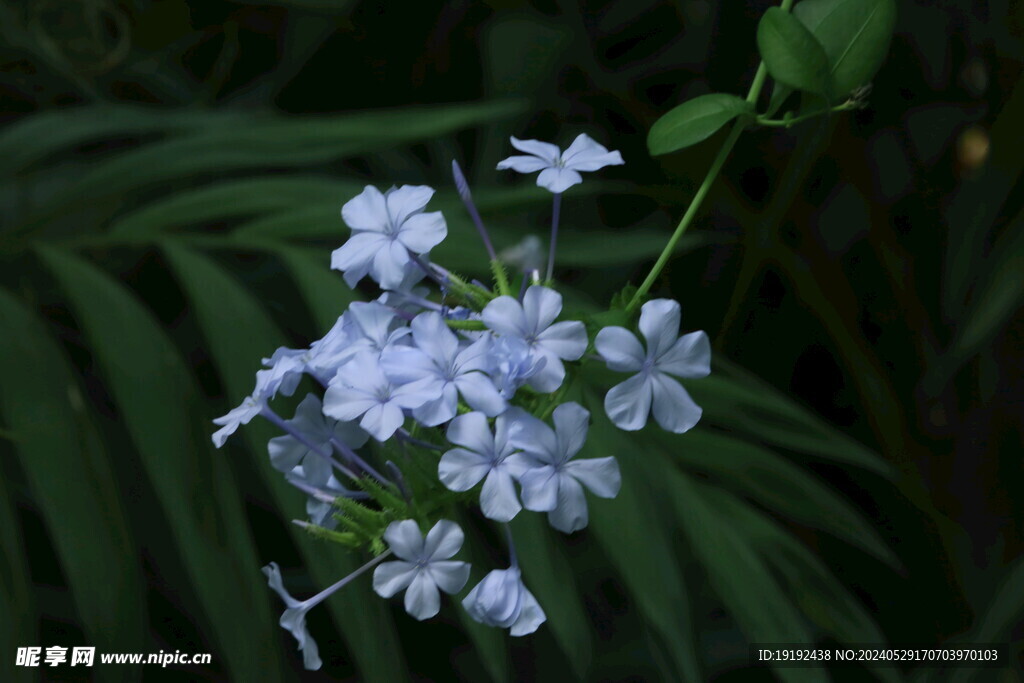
{"x": 652, "y": 388}
{"x": 483, "y": 456}
{"x": 502, "y": 600}
{"x": 511, "y": 363}
{"x": 532, "y": 321}
{"x": 424, "y": 566}
{"x": 449, "y": 370}
{"x": 553, "y": 482}
{"x": 287, "y": 452}
{"x": 361, "y": 390}
{"x": 268, "y": 382}
{"x": 560, "y": 170}
{"x": 385, "y": 229}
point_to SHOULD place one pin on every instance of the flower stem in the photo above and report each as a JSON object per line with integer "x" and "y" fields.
{"x": 556, "y": 210}
{"x": 786, "y": 123}
{"x": 705, "y": 187}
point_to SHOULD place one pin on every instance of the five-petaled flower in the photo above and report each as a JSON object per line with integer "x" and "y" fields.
{"x": 689, "y": 356}
{"x": 385, "y": 229}
{"x": 552, "y": 480}
{"x": 424, "y": 566}
{"x": 560, "y": 170}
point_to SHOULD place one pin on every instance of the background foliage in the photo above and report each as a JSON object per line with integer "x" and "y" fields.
{"x": 171, "y": 174}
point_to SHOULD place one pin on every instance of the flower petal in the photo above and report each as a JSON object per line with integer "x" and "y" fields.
{"x": 600, "y": 475}
{"x": 422, "y": 600}
{"x": 628, "y": 404}
{"x": 540, "y": 488}
{"x": 567, "y": 339}
{"x": 358, "y": 251}
{"x": 389, "y": 265}
{"x": 472, "y": 431}
{"x": 498, "y": 498}
{"x": 544, "y": 150}
{"x": 505, "y": 315}
{"x": 423, "y": 232}
{"x": 382, "y": 420}
{"x": 674, "y": 410}
{"x": 558, "y": 180}
{"x": 571, "y": 423}
{"x": 480, "y": 393}
{"x": 450, "y": 576}
{"x": 523, "y": 164}
{"x": 391, "y": 577}
{"x": 405, "y": 539}
{"x": 443, "y": 540}
{"x": 570, "y": 513}
{"x": 434, "y": 338}
{"x": 659, "y": 323}
{"x": 343, "y": 402}
{"x": 531, "y": 616}
{"x": 689, "y": 356}
{"x": 550, "y": 374}
{"x": 461, "y": 470}
{"x": 620, "y": 349}
{"x": 541, "y": 305}
{"x": 584, "y": 154}
{"x": 366, "y": 211}
{"x": 406, "y": 201}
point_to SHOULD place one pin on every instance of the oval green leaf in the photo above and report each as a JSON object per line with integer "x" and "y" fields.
{"x": 854, "y": 33}
{"x": 694, "y": 121}
{"x": 793, "y": 55}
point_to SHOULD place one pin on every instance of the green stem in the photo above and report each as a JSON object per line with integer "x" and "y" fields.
{"x": 716, "y": 166}
{"x": 501, "y": 278}
{"x": 786, "y": 123}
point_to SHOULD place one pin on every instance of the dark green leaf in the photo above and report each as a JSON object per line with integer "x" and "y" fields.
{"x": 238, "y": 333}
{"x": 694, "y": 121}
{"x": 792, "y": 54}
{"x": 323, "y": 289}
{"x": 156, "y": 396}
{"x": 72, "y": 483}
{"x": 855, "y": 35}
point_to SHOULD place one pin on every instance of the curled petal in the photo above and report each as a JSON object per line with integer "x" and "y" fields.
{"x": 584, "y": 154}
{"x": 531, "y": 616}
{"x": 523, "y": 164}
{"x": 544, "y": 150}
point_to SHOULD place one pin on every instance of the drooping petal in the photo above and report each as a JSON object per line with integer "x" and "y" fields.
{"x": 558, "y": 180}
{"x": 392, "y": 577}
{"x": 620, "y": 349}
{"x": 584, "y": 154}
{"x": 505, "y": 315}
{"x": 523, "y": 164}
{"x": 544, "y": 150}
{"x": 405, "y": 201}
{"x": 423, "y": 232}
{"x": 498, "y": 499}
{"x": 422, "y": 599}
{"x": 366, "y": 211}
{"x": 628, "y": 404}
{"x": 600, "y": 475}
{"x": 450, "y": 576}
{"x": 659, "y": 323}
{"x": 531, "y": 616}
{"x": 540, "y": 488}
{"x": 570, "y": 512}
{"x": 443, "y": 540}
{"x": 405, "y": 539}
{"x": 567, "y": 339}
{"x": 541, "y": 306}
{"x": 689, "y": 356}
{"x": 674, "y": 410}
{"x": 571, "y": 423}
{"x": 461, "y": 470}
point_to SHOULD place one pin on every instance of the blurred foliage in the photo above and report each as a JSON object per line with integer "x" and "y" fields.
{"x": 171, "y": 173}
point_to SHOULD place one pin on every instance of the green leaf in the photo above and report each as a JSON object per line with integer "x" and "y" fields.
{"x": 323, "y": 289}
{"x": 792, "y": 54}
{"x": 694, "y": 121}
{"x": 234, "y": 199}
{"x": 779, "y": 485}
{"x": 73, "y": 484}
{"x": 855, "y": 35}
{"x": 644, "y": 560}
{"x": 272, "y": 142}
{"x": 549, "y": 576}
{"x": 238, "y": 332}
{"x": 156, "y": 397}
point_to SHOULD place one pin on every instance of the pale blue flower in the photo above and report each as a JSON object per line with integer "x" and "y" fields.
{"x": 532, "y": 321}
{"x": 560, "y": 170}
{"x": 360, "y": 389}
{"x": 511, "y": 364}
{"x": 502, "y": 600}
{"x": 287, "y": 452}
{"x": 629, "y": 403}
{"x": 450, "y": 370}
{"x": 424, "y": 566}
{"x": 484, "y": 456}
{"x": 553, "y": 482}
{"x": 369, "y": 326}
{"x": 385, "y": 229}
{"x": 294, "y": 617}
{"x": 268, "y": 382}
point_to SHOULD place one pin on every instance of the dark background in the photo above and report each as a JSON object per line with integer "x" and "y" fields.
{"x": 869, "y": 266}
